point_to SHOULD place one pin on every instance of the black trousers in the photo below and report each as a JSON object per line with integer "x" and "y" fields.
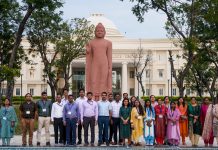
{"x": 89, "y": 121}
{"x": 80, "y": 133}
{"x": 116, "y": 125}
{"x": 111, "y": 132}
{"x": 58, "y": 126}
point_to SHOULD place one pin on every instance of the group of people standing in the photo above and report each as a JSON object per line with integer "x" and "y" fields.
{"x": 155, "y": 122}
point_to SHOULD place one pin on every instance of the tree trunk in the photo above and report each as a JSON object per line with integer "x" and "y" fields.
{"x": 19, "y": 34}
{"x": 10, "y": 89}
{"x": 53, "y": 90}
{"x": 53, "y": 94}
{"x": 0, "y": 93}
{"x": 66, "y": 84}
{"x": 181, "y": 88}
{"x": 142, "y": 87}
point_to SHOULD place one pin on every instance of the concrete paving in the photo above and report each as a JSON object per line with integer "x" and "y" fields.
{"x": 16, "y": 143}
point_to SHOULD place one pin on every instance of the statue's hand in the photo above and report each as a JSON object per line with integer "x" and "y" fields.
{"x": 87, "y": 49}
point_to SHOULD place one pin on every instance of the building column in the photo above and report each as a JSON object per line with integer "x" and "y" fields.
{"x": 124, "y": 78}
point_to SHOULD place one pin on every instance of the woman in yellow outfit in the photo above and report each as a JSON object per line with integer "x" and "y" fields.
{"x": 137, "y": 119}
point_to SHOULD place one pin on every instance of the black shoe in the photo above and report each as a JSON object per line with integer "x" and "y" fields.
{"x": 48, "y": 144}
{"x": 92, "y": 145}
{"x": 86, "y": 144}
{"x": 30, "y": 145}
{"x": 74, "y": 145}
{"x": 23, "y": 145}
{"x": 99, "y": 143}
{"x": 107, "y": 144}
{"x": 79, "y": 142}
{"x": 38, "y": 144}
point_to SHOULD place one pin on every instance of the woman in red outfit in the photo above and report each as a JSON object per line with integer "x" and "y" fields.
{"x": 160, "y": 122}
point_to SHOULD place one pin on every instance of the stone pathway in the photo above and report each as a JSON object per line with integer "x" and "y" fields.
{"x": 16, "y": 143}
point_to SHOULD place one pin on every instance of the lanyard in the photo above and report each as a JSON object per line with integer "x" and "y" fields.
{"x": 172, "y": 113}
{"x": 44, "y": 104}
{"x": 59, "y": 104}
{"x": 70, "y": 106}
{"x": 138, "y": 111}
{"x": 149, "y": 113}
{"x": 160, "y": 108}
{"x": 5, "y": 111}
{"x": 89, "y": 102}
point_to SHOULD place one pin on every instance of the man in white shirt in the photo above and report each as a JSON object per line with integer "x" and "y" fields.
{"x": 115, "y": 121}
{"x": 79, "y": 101}
{"x": 64, "y": 101}
{"x": 57, "y": 118}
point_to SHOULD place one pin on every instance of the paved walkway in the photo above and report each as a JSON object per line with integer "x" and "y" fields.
{"x": 16, "y": 143}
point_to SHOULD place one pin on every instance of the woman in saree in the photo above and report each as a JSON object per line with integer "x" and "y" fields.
{"x": 160, "y": 122}
{"x": 137, "y": 117}
{"x": 206, "y": 121}
{"x": 183, "y": 120}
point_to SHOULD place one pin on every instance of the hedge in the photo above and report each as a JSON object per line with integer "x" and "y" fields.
{"x": 175, "y": 98}
{"x": 18, "y": 99}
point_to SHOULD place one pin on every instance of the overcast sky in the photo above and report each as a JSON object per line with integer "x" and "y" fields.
{"x": 120, "y": 14}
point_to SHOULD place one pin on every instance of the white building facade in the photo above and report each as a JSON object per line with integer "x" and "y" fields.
{"x": 156, "y": 77}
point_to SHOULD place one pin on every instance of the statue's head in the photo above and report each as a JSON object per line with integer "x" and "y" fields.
{"x": 100, "y": 31}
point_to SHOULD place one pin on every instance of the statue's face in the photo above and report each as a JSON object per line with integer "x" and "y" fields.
{"x": 99, "y": 31}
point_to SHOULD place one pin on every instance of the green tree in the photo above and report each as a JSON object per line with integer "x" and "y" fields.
{"x": 71, "y": 45}
{"x": 180, "y": 25}
{"x": 139, "y": 65}
{"x": 14, "y": 16}
{"x": 44, "y": 29}
{"x": 207, "y": 34}
{"x": 10, "y": 16}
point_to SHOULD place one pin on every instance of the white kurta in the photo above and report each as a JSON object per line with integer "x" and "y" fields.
{"x": 149, "y": 131}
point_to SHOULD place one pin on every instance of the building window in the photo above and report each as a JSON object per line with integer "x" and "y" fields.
{"x": 160, "y": 92}
{"x": 32, "y": 91}
{"x": 132, "y": 74}
{"x": 17, "y": 91}
{"x": 188, "y": 91}
{"x": 3, "y": 91}
{"x": 174, "y": 92}
{"x": 147, "y": 73}
{"x": 160, "y": 71}
{"x": 132, "y": 91}
{"x": 147, "y": 91}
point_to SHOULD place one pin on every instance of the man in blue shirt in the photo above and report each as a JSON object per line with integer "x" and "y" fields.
{"x": 104, "y": 114}
{"x": 71, "y": 117}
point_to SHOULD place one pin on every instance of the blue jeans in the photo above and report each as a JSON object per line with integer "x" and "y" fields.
{"x": 71, "y": 130}
{"x": 103, "y": 124}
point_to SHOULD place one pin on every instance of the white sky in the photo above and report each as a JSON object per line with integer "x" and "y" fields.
{"x": 121, "y": 15}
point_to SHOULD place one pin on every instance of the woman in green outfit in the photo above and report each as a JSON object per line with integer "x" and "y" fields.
{"x": 8, "y": 121}
{"x": 125, "y": 125}
{"x": 194, "y": 122}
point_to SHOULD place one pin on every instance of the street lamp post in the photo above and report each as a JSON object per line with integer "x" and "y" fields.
{"x": 171, "y": 77}
{"x": 168, "y": 87}
{"x": 44, "y": 79}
